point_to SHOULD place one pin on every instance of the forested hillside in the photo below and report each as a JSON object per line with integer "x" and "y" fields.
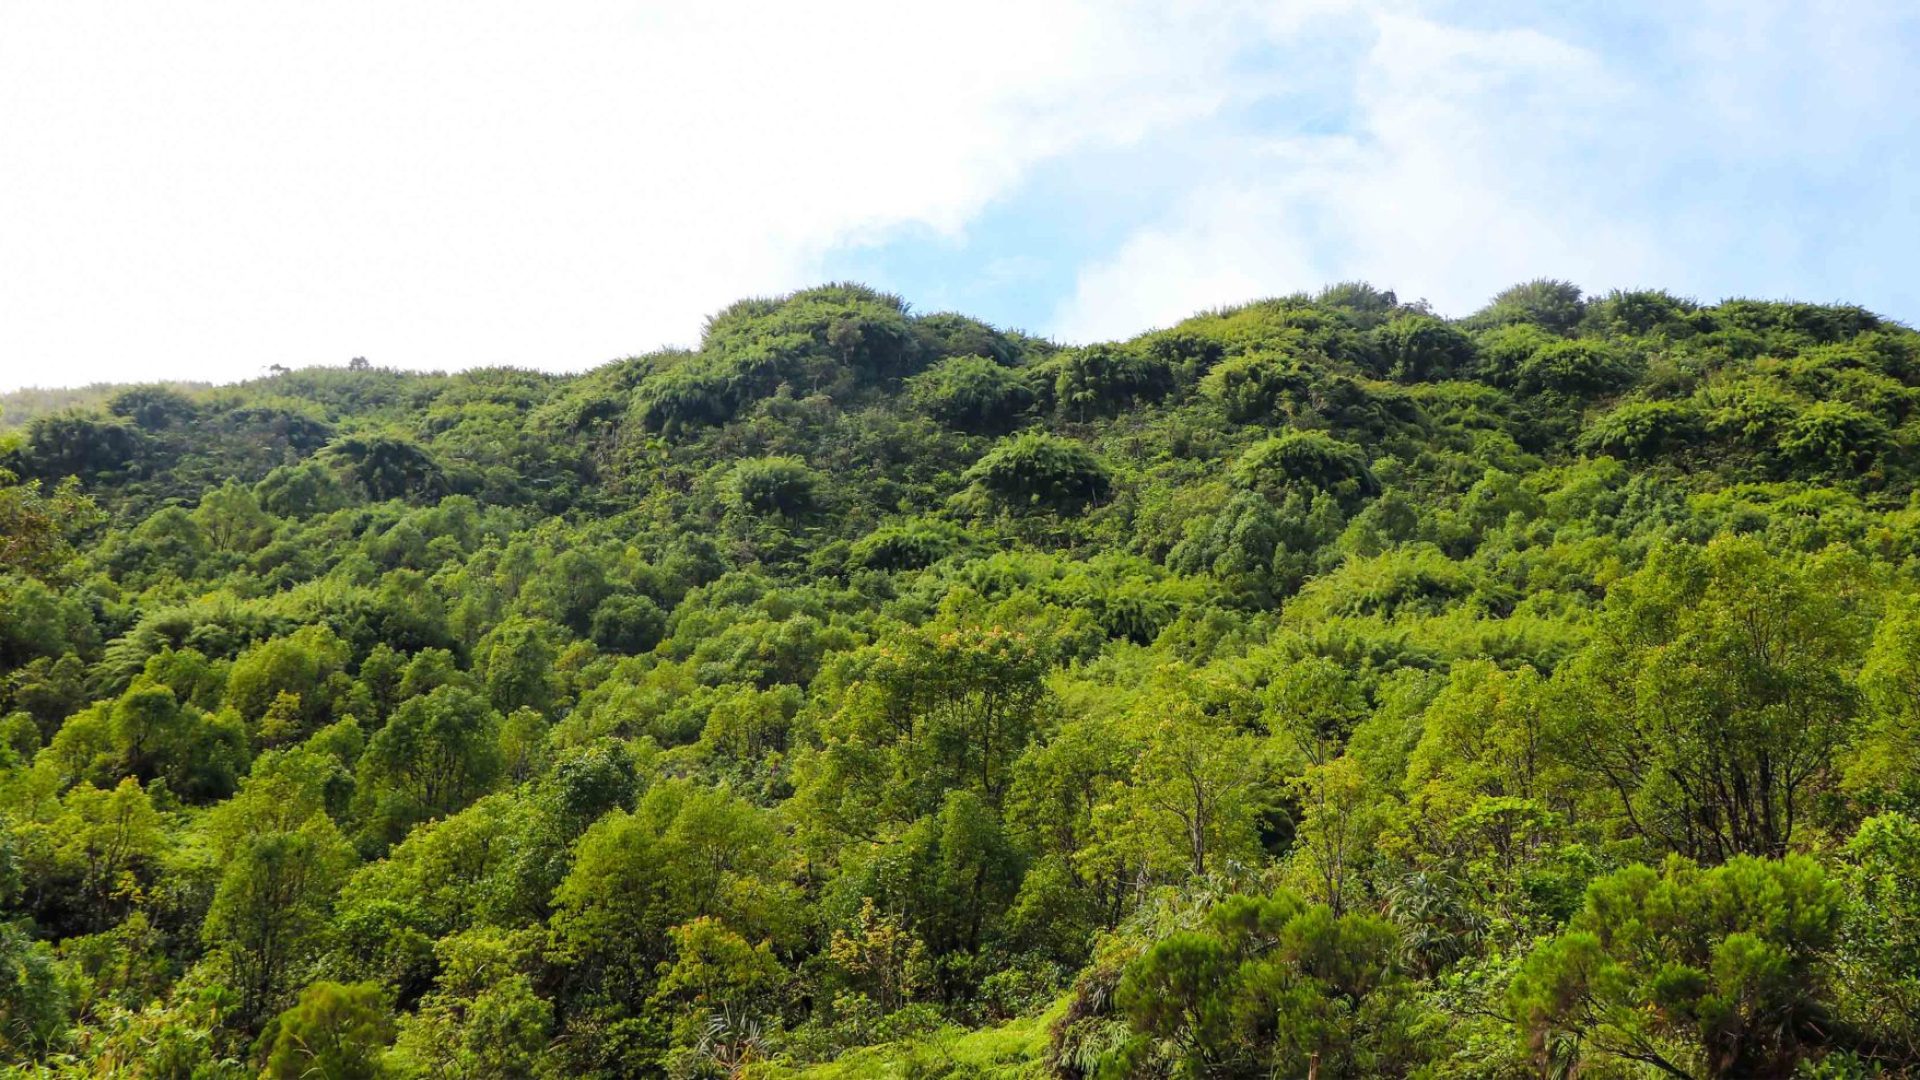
{"x": 1318, "y": 687}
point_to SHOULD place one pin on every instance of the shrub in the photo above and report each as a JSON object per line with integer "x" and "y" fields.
{"x": 1101, "y": 380}
{"x": 1643, "y": 430}
{"x": 1312, "y": 458}
{"x": 1421, "y": 348}
{"x": 774, "y": 485}
{"x": 1041, "y": 472}
{"x": 972, "y": 394}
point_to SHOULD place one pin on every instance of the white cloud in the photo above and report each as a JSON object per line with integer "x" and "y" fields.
{"x": 1736, "y": 148}
{"x": 1460, "y": 176}
{"x": 206, "y": 188}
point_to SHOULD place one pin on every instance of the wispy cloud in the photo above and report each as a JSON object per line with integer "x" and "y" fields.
{"x": 1720, "y": 151}
{"x": 204, "y": 188}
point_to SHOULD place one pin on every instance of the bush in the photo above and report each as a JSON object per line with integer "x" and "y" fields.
{"x": 1576, "y": 369}
{"x": 1041, "y": 472}
{"x": 1644, "y": 430}
{"x": 774, "y": 485}
{"x": 1553, "y": 306}
{"x": 946, "y": 334}
{"x": 972, "y": 394}
{"x": 1834, "y": 437}
{"x": 686, "y": 397}
{"x": 1641, "y": 311}
{"x": 335, "y": 1031}
{"x": 1421, "y": 348}
{"x": 1101, "y": 380}
{"x": 1311, "y": 458}
{"x": 1253, "y": 387}
{"x": 908, "y": 546}
{"x": 628, "y": 624}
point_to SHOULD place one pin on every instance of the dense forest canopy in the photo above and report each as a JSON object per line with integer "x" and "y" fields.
{"x": 1317, "y": 687}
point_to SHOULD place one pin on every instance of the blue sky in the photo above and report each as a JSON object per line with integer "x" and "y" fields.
{"x": 1728, "y": 150}
{"x": 204, "y": 188}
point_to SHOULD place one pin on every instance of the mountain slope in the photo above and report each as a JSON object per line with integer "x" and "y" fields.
{"x": 1314, "y": 684}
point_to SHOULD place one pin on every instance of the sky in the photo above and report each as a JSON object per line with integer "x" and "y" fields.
{"x": 202, "y": 189}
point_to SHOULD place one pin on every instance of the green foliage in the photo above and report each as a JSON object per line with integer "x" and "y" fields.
{"x": 36, "y": 530}
{"x": 90, "y": 447}
{"x": 1271, "y": 985}
{"x": 1101, "y": 380}
{"x": 1712, "y": 700}
{"x": 909, "y": 545}
{"x": 33, "y": 1003}
{"x": 437, "y": 753}
{"x": 269, "y": 913}
{"x": 1311, "y": 459}
{"x": 779, "y": 486}
{"x": 389, "y": 467}
{"x": 972, "y": 394}
{"x": 334, "y": 1031}
{"x": 1645, "y": 430}
{"x": 1553, "y": 306}
{"x": 1421, "y": 348}
{"x": 1041, "y": 472}
{"x": 1315, "y": 687}
{"x": 1717, "y": 972}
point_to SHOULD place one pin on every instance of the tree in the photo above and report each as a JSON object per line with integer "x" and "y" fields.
{"x": 91, "y": 447}
{"x": 950, "y": 705}
{"x": 303, "y": 664}
{"x": 1835, "y": 437}
{"x": 612, "y": 912}
{"x": 153, "y": 407}
{"x": 36, "y": 529}
{"x": 1483, "y": 775}
{"x": 882, "y": 954}
{"x": 33, "y": 1003}
{"x": 1577, "y": 369}
{"x": 1645, "y": 430}
{"x": 1271, "y": 986}
{"x": 1040, "y": 472}
{"x": 1877, "y": 973}
{"x": 110, "y": 840}
{"x": 269, "y": 913}
{"x": 1421, "y": 348}
{"x": 909, "y": 545}
{"x": 722, "y": 989}
{"x": 336, "y": 1031}
{"x": 1100, "y": 380}
{"x": 1713, "y": 699}
{"x": 1553, "y": 306}
{"x": 436, "y": 754}
{"x": 1691, "y": 972}
{"x": 782, "y": 486}
{"x": 156, "y": 736}
{"x": 298, "y": 491}
{"x": 483, "y": 1021}
{"x": 1332, "y": 797}
{"x": 1880, "y": 771}
{"x": 1309, "y": 458}
{"x": 1191, "y": 792}
{"x": 948, "y": 334}
{"x": 972, "y": 394}
{"x": 232, "y": 519}
{"x": 389, "y": 466}
{"x": 951, "y": 876}
{"x": 517, "y": 658}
